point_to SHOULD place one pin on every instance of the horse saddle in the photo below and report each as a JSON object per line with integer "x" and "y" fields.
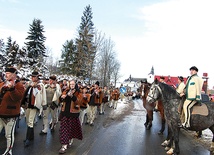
{"x": 200, "y": 109}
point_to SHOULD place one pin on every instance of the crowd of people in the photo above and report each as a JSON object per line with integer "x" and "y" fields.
{"x": 66, "y": 101}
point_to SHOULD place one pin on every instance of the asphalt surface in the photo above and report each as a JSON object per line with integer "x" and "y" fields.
{"x": 117, "y": 132}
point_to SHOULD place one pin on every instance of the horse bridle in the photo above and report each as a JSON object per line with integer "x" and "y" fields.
{"x": 156, "y": 86}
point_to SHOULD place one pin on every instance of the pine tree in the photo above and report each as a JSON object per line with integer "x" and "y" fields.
{"x": 68, "y": 55}
{"x": 85, "y": 46}
{"x": 3, "y": 56}
{"x": 35, "y": 44}
{"x": 8, "y": 44}
{"x": 17, "y": 56}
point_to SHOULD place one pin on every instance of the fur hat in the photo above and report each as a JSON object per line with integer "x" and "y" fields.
{"x": 194, "y": 68}
{"x": 97, "y": 83}
{"x": 11, "y": 70}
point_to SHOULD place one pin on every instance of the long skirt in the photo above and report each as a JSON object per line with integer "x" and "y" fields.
{"x": 70, "y": 127}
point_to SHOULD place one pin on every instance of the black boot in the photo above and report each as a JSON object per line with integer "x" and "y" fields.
{"x": 29, "y": 136}
{"x": 147, "y": 120}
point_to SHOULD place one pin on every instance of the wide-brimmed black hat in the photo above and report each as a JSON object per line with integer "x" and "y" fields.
{"x": 162, "y": 77}
{"x": 194, "y": 68}
{"x": 11, "y": 70}
{"x": 35, "y": 73}
{"x": 97, "y": 83}
{"x": 181, "y": 78}
{"x": 53, "y": 77}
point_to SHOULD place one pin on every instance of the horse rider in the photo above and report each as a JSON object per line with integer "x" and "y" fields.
{"x": 193, "y": 94}
{"x": 11, "y": 92}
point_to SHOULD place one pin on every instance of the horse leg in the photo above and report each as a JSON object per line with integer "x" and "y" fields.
{"x": 176, "y": 139}
{"x": 162, "y": 127}
{"x": 168, "y": 141}
{"x": 160, "y": 107}
{"x": 150, "y": 116}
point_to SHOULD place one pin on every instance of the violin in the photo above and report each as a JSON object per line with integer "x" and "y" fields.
{"x": 7, "y": 85}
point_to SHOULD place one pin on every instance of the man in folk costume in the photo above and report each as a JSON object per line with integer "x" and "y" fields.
{"x": 95, "y": 100}
{"x": 193, "y": 94}
{"x": 115, "y": 97}
{"x": 181, "y": 85}
{"x": 104, "y": 100}
{"x": 53, "y": 92}
{"x": 70, "y": 126}
{"x": 84, "y": 100}
{"x": 34, "y": 100}
{"x": 64, "y": 85}
{"x": 11, "y": 93}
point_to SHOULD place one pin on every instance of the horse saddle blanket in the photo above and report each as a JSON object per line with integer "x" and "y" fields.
{"x": 200, "y": 109}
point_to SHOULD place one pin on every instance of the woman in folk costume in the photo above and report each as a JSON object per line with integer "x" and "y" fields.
{"x": 193, "y": 94}
{"x": 33, "y": 100}
{"x": 70, "y": 126}
{"x": 53, "y": 92}
{"x": 115, "y": 97}
{"x": 84, "y": 99}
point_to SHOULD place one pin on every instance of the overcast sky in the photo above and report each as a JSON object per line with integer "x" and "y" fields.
{"x": 170, "y": 35}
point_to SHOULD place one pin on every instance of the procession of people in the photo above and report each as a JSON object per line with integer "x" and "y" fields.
{"x": 56, "y": 101}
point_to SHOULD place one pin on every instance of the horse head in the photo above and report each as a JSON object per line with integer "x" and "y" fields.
{"x": 154, "y": 92}
{"x": 145, "y": 86}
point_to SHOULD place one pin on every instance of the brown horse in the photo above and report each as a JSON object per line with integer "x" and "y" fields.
{"x": 144, "y": 88}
